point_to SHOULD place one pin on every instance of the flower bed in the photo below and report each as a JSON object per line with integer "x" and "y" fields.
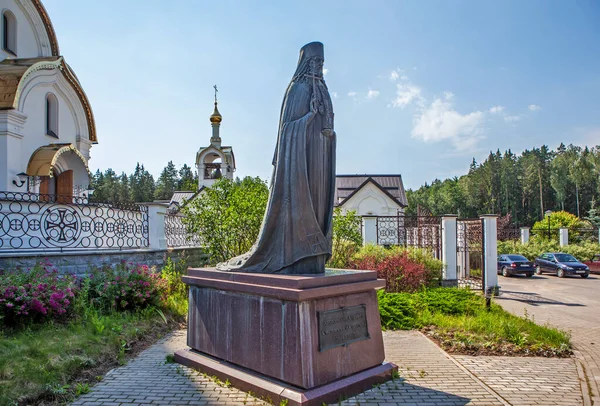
{"x": 58, "y": 333}
{"x": 39, "y": 295}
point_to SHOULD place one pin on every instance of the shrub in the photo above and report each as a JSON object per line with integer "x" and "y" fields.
{"x": 228, "y": 215}
{"x": 347, "y": 237}
{"x": 126, "y": 287}
{"x": 403, "y": 270}
{"x": 397, "y": 311}
{"x": 556, "y": 220}
{"x": 38, "y": 295}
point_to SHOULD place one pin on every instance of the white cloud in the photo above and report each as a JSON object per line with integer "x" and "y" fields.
{"x": 496, "y": 109}
{"x": 396, "y": 74}
{"x": 334, "y": 94}
{"x": 512, "y": 119}
{"x": 351, "y": 94}
{"x": 372, "y": 94}
{"x": 534, "y": 107}
{"x": 440, "y": 122}
{"x": 405, "y": 94}
{"x": 403, "y": 77}
{"x": 325, "y": 70}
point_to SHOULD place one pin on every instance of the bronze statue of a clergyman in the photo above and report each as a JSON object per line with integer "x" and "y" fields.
{"x": 295, "y": 236}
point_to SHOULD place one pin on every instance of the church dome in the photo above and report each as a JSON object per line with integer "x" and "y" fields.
{"x": 216, "y": 117}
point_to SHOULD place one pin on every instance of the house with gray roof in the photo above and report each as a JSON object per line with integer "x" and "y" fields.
{"x": 370, "y": 196}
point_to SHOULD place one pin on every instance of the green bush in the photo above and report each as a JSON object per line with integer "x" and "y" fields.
{"x": 397, "y": 311}
{"x": 347, "y": 237}
{"x": 459, "y": 321}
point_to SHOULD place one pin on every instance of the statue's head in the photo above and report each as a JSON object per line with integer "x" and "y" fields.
{"x": 312, "y": 53}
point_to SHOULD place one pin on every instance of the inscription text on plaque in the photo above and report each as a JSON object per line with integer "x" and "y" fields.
{"x": 342, "y": 326}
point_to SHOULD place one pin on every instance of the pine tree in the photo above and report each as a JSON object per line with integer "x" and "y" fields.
{"x": 167, "y": 182}
{"x": 187, "y": 180}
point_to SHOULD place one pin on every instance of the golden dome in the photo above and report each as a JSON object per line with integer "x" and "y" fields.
{"x": 216, "y": 118}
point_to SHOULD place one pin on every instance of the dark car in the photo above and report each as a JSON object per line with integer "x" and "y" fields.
{"x": 515, "y": 264}
{"x": 561, "y": 264}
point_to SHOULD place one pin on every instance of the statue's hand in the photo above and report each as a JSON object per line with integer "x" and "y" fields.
{"x": 328, "y": 132}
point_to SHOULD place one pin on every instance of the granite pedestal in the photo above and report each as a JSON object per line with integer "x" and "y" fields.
{"x": 304, "y": 339}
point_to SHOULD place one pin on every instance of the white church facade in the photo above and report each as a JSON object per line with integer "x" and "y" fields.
{"x": 46, "y": 122}
{"x": 371, "y": 197}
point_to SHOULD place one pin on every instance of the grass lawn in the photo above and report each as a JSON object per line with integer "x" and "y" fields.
{"x": 53, "y": 363}
{"x": 459, "y": 322}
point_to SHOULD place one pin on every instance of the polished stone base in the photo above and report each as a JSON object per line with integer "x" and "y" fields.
{"x": 314, "y": 333}
{"x": 278, "y": 392}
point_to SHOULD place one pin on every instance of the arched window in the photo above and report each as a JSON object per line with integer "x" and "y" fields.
{"x": 51, "y": 115}
{"x": 9, "y": 32}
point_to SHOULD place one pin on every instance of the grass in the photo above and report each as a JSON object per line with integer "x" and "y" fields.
{"x": 458, "y": 320}
{"x": 53, "y": 363}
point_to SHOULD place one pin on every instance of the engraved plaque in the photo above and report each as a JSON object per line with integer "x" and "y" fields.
{"x": 342, "y": 326}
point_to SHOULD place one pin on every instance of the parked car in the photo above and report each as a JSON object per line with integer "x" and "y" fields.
{"x": 515, "y": 264}
{"x": 594, "y": 264}
{"x": 561, "y": 264}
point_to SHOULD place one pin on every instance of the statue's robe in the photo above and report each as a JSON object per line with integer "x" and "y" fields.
{"x": 295, "y": 236}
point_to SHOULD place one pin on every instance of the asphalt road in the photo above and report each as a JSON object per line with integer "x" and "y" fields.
{"x": 570, "y": 303}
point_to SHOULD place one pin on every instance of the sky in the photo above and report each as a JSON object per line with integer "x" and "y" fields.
{"x": 419, "y": 88}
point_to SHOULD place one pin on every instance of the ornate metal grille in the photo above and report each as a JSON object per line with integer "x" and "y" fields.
{"x": 411, "y": 231}
{"x": 31, "y": 222}
{"x": 176, "y": 233}
{"x": 509, "y": 234}
{"x": 469, "y": 253}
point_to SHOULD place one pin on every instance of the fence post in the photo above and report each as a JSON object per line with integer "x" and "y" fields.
{"x": 490, "y": 253}
{"x": 369, "y": 230}
{"x": 449, "y": 250}
{"x": 563, "y": 237}
{"x": 156, "y": 226}
{"x": 524, "y": 235}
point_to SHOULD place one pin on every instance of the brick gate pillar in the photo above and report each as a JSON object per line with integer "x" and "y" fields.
{"x": 490, "y": 253}
{"x": 449, "y": 250}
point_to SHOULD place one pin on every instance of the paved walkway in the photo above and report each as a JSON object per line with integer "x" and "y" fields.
{"x": 428, "y": 376}
{"x": 571, "y": 304}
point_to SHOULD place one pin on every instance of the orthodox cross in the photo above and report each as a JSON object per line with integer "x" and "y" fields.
{"x": 216, "y": 90}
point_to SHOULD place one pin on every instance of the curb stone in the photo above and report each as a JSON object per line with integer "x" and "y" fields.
{"x": 473, "y": 376}
{"x": 583, "y": 378}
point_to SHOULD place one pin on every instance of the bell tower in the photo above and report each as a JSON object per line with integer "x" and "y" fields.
{"x": 215, "y": 161}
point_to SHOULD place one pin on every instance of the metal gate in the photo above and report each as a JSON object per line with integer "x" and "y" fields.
{"x": 411, "y": 231}
{"x": 469, "y": 253}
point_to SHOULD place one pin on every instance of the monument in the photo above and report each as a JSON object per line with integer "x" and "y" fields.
{"x": 274, "y": 321}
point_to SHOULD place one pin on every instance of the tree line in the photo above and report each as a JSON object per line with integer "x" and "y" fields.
{"x": 140, "y": 186}
{"x": 525, "y": 185}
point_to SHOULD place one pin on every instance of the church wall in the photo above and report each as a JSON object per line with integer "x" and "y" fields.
{"x": 371, "y": 201}
{"x": 71, "y": 118}
{"x": 10, "y": 148}
{"x": 27, "y": 43}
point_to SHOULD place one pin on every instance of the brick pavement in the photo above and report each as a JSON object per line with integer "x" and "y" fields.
{"x": 551, "y": 381}
{"x": 428, "y": 377}
{"x": 570, "y": 304}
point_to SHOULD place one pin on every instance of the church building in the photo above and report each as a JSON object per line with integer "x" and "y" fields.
{"x": 46, "y": 122}
{"x": 212, "y": 162}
